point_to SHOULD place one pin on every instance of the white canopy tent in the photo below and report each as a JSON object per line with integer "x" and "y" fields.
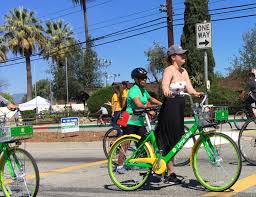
{"x": 37, "y": 103}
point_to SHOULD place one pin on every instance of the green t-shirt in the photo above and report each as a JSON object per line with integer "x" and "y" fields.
{"x": 134, "y": 92}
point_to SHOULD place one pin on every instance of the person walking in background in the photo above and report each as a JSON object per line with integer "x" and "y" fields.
{"x": 125, "y": 87}
{"x": 116, "y": 104}
{"x": 170, "y": 125}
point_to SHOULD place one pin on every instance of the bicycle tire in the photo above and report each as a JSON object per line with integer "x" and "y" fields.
{"x": 110, "y": 136}
{"x": 127, "y": 180}
{"x": 223, "y": 161}
{"x": 247, "y": 141}
{"x": 239, "y": 115}
{"x": 183, "y": 156}
{"x": 20, "y": 184}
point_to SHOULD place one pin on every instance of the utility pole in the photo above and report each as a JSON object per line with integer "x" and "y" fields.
{"x": 169, "y": 10}
{"x": 67, "y": 79}
{"x": 169, "y": 23}
{"x": 86, "y": 31}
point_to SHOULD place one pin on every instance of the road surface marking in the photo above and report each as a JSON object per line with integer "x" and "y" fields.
{"x": 240, "y": 185}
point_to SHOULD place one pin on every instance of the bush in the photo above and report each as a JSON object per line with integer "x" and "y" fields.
{"x": 28, "y": 115}
{"x": 98, "y": 98}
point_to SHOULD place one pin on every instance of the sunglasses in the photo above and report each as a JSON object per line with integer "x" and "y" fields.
{"x": 143, "y": 78}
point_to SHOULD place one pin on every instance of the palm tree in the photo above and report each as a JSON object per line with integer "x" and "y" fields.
{"x": 23, "y": 35}
{"x": 83, "y": 4}
{"x": 61, "y": 44}
{"x": 3, "y": 51}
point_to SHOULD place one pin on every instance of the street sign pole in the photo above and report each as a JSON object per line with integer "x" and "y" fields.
{"x": 206, "y": 73}
{"x": 204, "y": 41}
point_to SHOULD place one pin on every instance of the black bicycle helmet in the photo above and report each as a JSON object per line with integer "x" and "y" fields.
{"x": 139, "y": 73}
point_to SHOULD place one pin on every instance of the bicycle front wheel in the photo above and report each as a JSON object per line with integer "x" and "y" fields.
{"x": 126, "y": 177}
{"x": 19, "y": 174}
{"x": 221, "y": 171}
{"x": 109, "y": 138}
{"x": 247, "y": 141}
{"x": 239, "y": 119}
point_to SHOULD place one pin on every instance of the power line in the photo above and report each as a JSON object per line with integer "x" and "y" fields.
{"x": 114, "y": 24}
{"x": 69, "y": 8}
{"x": 98, "y": 38}
{"x": 218, "y": 13}
{"x": 213, "y": 20}
{"x": 129, "y": 28}
{"x": 125, "y": 16}
{"x": 77, "y": 11}
{"x": 231, "y": 7}
{"x": 178, "y": 14}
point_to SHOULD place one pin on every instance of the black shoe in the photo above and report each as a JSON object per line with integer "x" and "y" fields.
{"x": 172, "y": 179}
{"x": 155, "y": 179}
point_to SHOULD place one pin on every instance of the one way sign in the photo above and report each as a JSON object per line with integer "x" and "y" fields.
{"x": 203, "y": 35}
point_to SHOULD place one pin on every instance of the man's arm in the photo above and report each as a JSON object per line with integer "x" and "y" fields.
{"x": 4, "y": 101}
{"x": 9, "y": 105}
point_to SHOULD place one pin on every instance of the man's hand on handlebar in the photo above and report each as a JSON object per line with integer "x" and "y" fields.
{"x": 198, "y": 94}
{"x": 12, "y": 107}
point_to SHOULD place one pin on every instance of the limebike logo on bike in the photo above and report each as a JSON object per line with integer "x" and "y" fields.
{"x": 182, "y": 141}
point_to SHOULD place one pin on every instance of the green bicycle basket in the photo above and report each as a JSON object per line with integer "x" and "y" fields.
{"x": 15, "y": 133}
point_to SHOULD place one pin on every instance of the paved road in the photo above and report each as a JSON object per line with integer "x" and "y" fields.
{"x": 79, "y": 169}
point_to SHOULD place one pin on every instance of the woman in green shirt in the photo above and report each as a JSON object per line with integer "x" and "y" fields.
{"x": 138, "y": 97}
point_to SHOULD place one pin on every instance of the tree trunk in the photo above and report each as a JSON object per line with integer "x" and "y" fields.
{"x": 86, "y": 31}
{"x": 29, "y": 78}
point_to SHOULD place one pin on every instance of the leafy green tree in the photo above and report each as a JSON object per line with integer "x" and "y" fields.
{"x": 23, "y": 35}
{"x": 3, "y": 51}
{"x": 246, "y": 59}
{"x": 196, "y": 11}
{"x": 157, "y": 59}
{"x": 88, "y": 68}
{"x": 61, "y": 45}
{"x": 43, "y": 88}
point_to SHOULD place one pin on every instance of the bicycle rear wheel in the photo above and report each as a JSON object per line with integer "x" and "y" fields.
{"x": 25, "y": 178}
{"x": 247, "y": 141}
{"x": 131, "y": 178}
{"x": 224, "y": 169}
{"x": 239, "y": 119}
{"x": 109, "y": 138}
{"x": 183, "y": 156}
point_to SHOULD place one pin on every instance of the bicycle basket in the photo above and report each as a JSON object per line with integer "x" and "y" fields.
{"x": 213, "y": 115}
{"x": 15, "y": 133}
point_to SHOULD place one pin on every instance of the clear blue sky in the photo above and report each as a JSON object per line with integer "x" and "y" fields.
{"x": 129, "y": 53}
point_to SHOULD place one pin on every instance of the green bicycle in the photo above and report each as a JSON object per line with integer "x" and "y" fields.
{"x": 19, "y": 175}
{"x": 215, "y": 157}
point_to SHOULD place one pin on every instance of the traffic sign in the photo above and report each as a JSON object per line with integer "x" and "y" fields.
{"x": 203, "y": 35}
{"x": 70, "y": 124}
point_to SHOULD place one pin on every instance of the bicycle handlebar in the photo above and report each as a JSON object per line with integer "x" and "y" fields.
{"x": 139, "y": 111}
{"x": 191, "y": 100}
